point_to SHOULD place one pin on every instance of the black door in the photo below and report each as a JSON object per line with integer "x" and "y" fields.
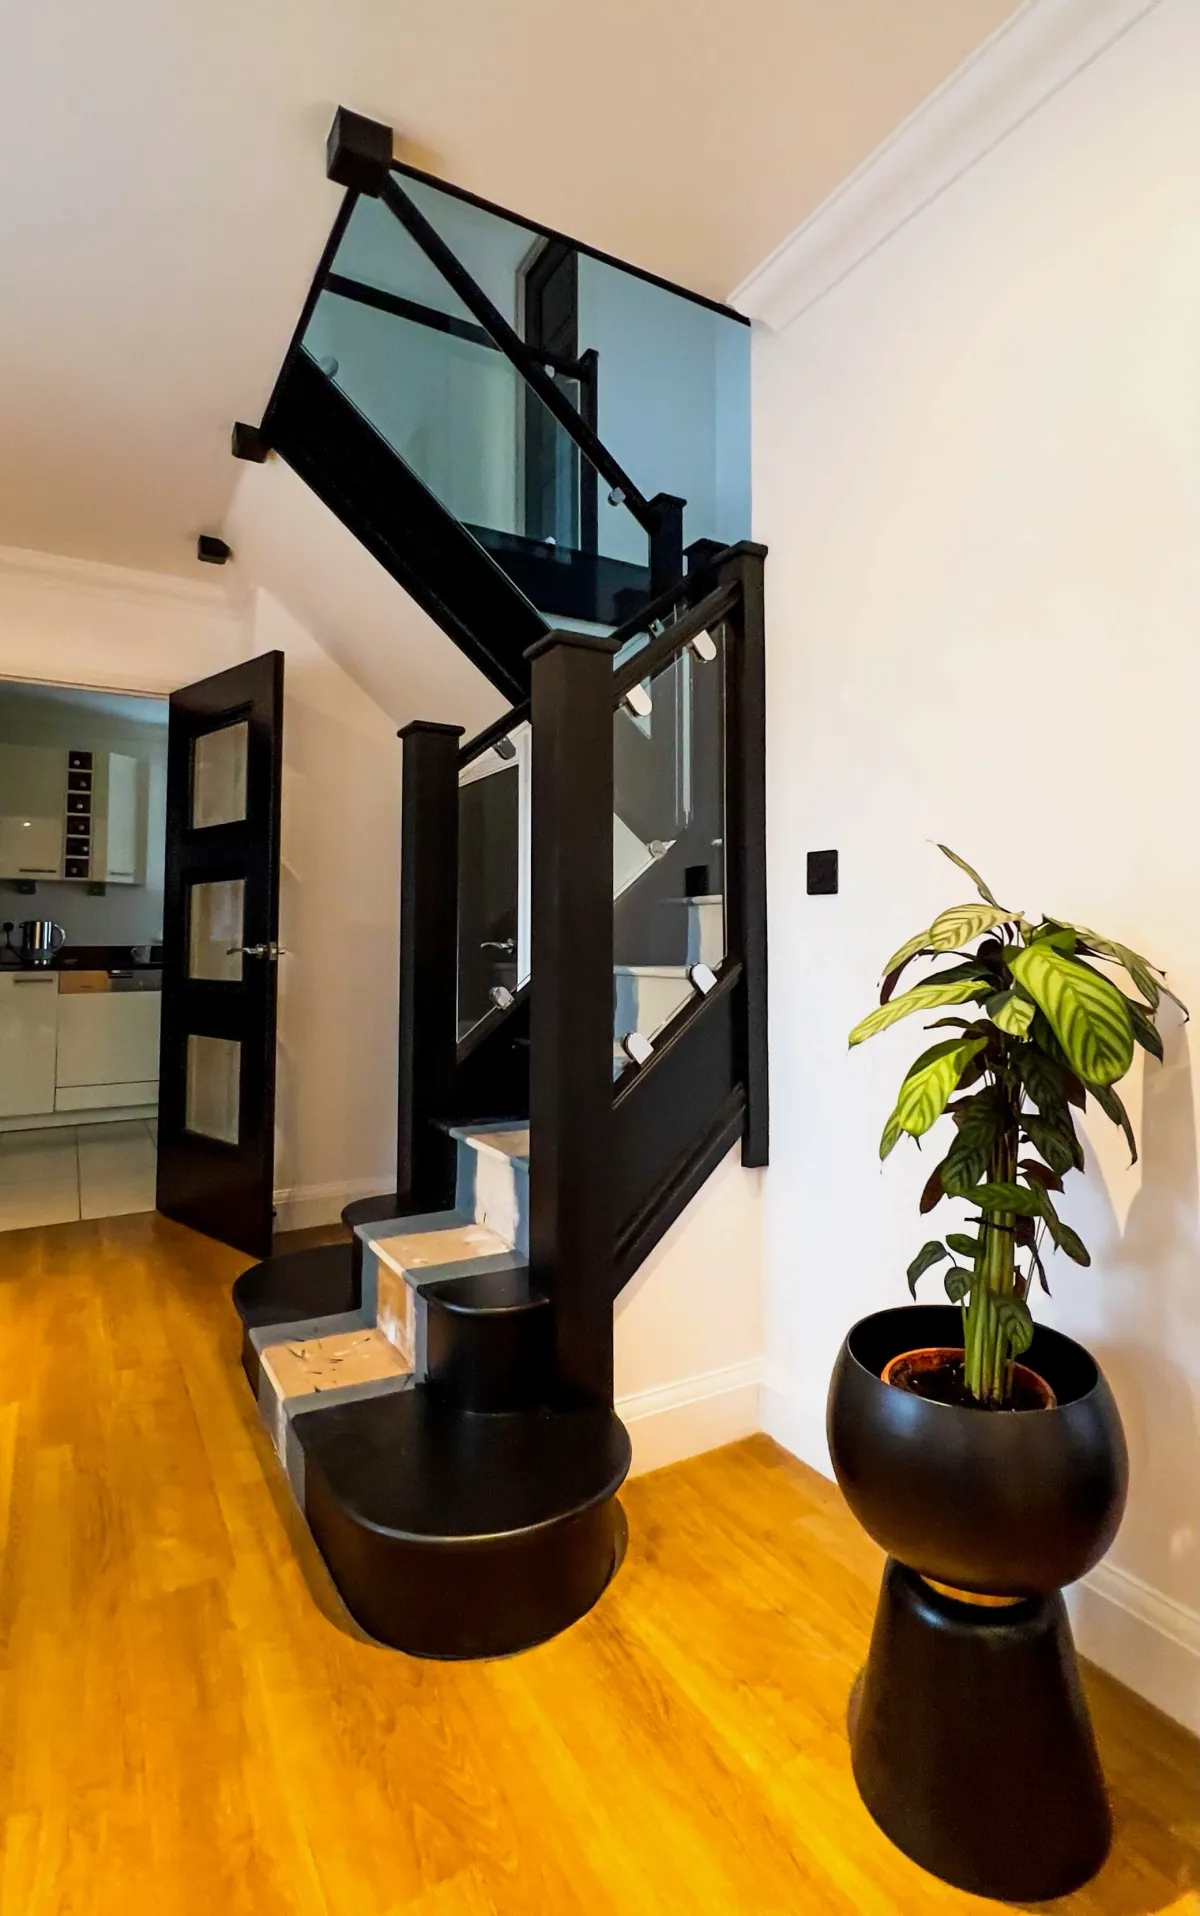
{"x": 216, "y": 1110}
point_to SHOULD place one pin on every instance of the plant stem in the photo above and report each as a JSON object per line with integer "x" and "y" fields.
{"x": 986, "y": 1364}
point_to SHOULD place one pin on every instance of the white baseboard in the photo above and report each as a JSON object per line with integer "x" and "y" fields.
{"x": 303, "y": 1206}
{"x": 797, "y": 1426}
{"x": 1143, "y": 1638}
{"x": 697, "y": 1413}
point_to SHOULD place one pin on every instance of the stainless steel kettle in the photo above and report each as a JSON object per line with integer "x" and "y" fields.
{"x": 40, "y": 939}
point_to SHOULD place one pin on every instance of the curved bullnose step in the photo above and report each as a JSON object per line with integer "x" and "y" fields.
{"x": 297, "y": 1284}
{"x": 458, "y": 1534}
{"x": 489, "y": 1340}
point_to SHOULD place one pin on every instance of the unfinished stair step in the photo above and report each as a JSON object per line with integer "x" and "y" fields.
{"x": 493, "y": 1178}
{"x": 330, "y": 1360}
{"x": 398, "y": 1265}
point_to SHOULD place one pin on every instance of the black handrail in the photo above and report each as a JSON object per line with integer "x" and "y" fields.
{"x": 525, "y": 358}
{"x": 663, "y": 648}
{"x": 493, "y": 733}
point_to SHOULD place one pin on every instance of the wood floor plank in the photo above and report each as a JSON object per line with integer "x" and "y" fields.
{"x": 190, "y": 1723}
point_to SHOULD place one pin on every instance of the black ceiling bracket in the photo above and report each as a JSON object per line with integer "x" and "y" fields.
{"x": 358, "y": 152}
{"x": 248, "y": 442}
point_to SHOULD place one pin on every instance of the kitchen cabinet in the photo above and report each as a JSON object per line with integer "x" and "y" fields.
{"x": 28, "y": 1041}
{"x": 30, "y": 847}
{"x": 107, "y": 1049}
{"x": 72, "y": 814}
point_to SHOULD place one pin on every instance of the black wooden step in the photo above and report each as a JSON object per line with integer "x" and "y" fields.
{"x": 489, "y": 1340}
{"x": 461, "y": 1534}
{"x": 319, "y": 1282}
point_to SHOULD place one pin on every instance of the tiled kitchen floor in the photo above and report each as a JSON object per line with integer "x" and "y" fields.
{"x": 81, "y": 1171}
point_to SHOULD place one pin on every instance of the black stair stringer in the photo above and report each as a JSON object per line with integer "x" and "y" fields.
{"x": 336, "y": 452}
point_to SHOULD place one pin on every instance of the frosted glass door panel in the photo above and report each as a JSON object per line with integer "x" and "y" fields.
{"x": 215, "y": 930}
{"x": 219, "y": 776}
{"x": 214, "y": 1082}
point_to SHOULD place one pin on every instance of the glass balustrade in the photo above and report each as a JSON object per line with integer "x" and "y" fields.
{"x": 668, "y": 844}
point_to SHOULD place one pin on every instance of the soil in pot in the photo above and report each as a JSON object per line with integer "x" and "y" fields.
{"x": 938, "y": 1375}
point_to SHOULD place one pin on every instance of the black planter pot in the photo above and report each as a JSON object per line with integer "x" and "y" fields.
{"x": 970, "y": 1737}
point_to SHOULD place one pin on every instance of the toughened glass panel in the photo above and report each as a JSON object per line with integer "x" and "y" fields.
{"x": 401, "y": 345}
{"x": 672, "y": 396}
{"x": 668, "y": 841}
{"x": 219, "y": 776}
{"x": 213, "y": 1093}
{"x": 215, "y": 930}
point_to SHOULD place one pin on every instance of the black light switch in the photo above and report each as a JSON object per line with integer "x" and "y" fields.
{"x": 822, "y": 873}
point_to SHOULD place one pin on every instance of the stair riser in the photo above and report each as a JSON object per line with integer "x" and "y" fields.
{"x": 478, "y": 1598}
{"x": 493, "y": 1361}
{"x": 494, "y": 1190}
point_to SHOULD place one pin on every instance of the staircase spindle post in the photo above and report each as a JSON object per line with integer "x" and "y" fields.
{"x": 571, "y": 1222}
{"x": 425, "y": 1155}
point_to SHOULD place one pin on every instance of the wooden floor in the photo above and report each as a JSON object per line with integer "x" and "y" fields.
{"x": 189, "y": 1723}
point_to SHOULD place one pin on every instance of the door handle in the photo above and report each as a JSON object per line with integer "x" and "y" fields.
{"x": 270, "y": 950}
{"x": 506, "y": 945}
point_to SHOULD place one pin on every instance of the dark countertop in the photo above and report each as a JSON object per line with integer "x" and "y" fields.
{"x": 92, "y": 958}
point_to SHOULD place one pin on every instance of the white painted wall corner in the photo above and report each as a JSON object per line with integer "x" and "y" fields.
{"x": 692, "y": 1415}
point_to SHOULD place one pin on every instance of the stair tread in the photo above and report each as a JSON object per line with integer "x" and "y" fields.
{"x": 504, "y": 1288}
{"x": 509, "y": 1140}
{"x": 457, "y": 1241}
{"x": 411, "y": 1467}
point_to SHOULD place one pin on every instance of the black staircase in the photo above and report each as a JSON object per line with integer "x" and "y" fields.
{"x": 583, "y": 1000}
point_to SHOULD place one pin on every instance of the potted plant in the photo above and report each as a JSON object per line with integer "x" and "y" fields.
{"x": 983, "y": 1453}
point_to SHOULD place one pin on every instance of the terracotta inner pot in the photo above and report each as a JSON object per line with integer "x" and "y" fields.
{"x": 906, "y": 1369}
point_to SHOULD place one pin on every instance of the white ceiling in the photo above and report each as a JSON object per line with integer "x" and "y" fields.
{"x": 163, "y": 200}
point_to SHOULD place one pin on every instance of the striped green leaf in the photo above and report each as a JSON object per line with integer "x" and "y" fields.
{"x": 925, "y": 1090}
{"x": 1055, "y": 1140}
{"x": 972, "y": 874}
{"x": 962, "y": 923}
{"x": 958, "y": 1283}
{"x": 1145, "y": 1030}
{"x": 921, "y": 998}
{"x": 1087, "y": 1014}
{"x": 1152, "y": 988}
{"x": 1112, "y": 1108}
{"x": 898, "y": 959}
{"x": 1013, "y": 1013}
{"x": 931, "y": 1253}
{"x": 1013, "y": 1199}
{"x": 891, "y": 1137}
{"x": 1015, "y": 1324}
{"x": 1065, "y": 1239}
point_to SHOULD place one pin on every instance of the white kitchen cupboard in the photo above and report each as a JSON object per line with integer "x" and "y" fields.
{"x": 28, "y": 1040}
{"x": 30, "y": 847}
{"x": 119, "y": 841}
{"x": 107, "y": 1049}
{"x": 33, "y": 779}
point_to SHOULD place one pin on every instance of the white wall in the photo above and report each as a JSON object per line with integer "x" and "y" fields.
{"x": 688, "y": 1328}
{"x": 978, "y": 470}
{"x": 338, "y": 918}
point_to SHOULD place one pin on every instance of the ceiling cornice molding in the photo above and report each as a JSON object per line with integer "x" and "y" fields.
{"x": 92, "y": 576}
{"x": 1032, "y": 57}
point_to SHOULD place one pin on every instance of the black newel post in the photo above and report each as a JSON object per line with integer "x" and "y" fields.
{"x": 666, "y": 542}
{"x": 571, "y": 1226}
{"x": 746, "y": 833}
{"x": 428, "y": 965}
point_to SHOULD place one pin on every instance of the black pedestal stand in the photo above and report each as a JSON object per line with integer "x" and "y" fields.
{"x": 972, "y": 1745}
